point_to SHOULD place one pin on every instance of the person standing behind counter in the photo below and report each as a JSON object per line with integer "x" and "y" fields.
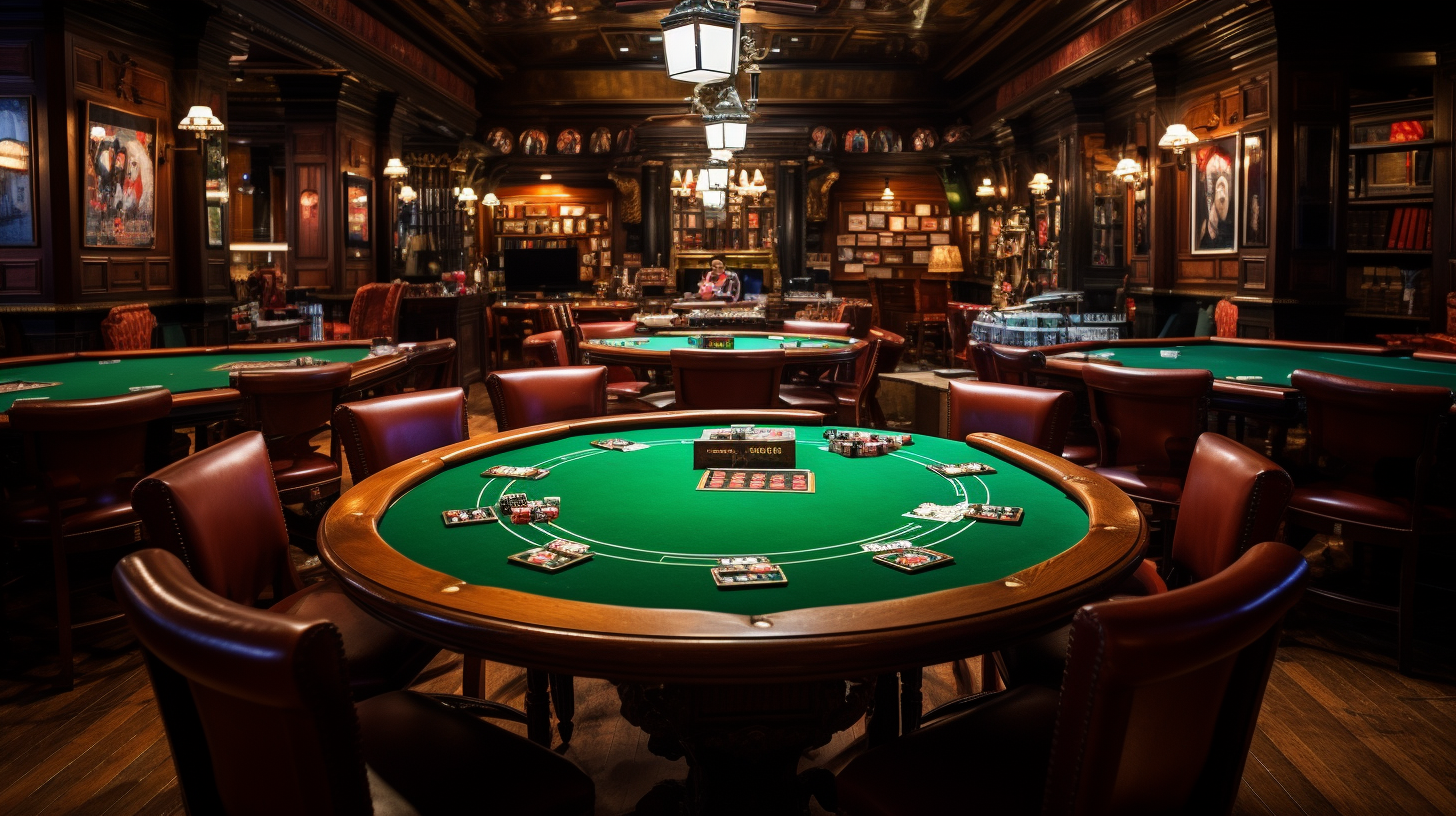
{"x": 719, "y": 282}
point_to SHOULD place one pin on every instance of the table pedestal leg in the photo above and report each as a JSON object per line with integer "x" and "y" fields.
{"x": 742, "y": 742}
{"x": 538, "y": 707}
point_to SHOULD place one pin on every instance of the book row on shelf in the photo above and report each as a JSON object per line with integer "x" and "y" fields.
{"x": 1392, "y": 290}
{"x": 1397, "y": 228}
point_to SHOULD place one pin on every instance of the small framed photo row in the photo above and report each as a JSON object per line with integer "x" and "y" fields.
{"x": 869, "y": 239}
{"x": 939, "y": 238}
{"x": 856, "y": 223}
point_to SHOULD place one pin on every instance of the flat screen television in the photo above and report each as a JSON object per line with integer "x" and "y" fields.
{"x": 541, "y": 270}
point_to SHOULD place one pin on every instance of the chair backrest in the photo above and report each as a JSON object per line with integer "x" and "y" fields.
{"x": 1233, "y": 498}
{"x": 611, "y": 328}
{"x": 1014, "y": 365}
{"x": 287, "y": 402}
{"x": 1147, "y": 417}
{"x": 959, "y": 317}
{"x": 383, "y": 431}
{"x": 858, "y": 314}
{"x": 1226, "y": 318}
{"x": 256, "y": 705}
{"x": 128, "y": 327}
{"x": 816, "y": 327}
{"x": 1039, "y": 417}
{"x": 983, "y": 361}
{"x": 218, "y": 510}
{"x": 706, "y": 378}
{"x": 91, "y": 447}
{"x": 1161, "y": 693}
{"x": 375, "y": 311}
{"x": 1376, "y": 437}
{"x": 432, "y": 364}
{"x": 532, "y": 396}
{"x": 545, "y": 349}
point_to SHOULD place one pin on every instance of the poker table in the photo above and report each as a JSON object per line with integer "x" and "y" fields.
{"x": 199, "y": 393}
{"x": 652, "y": 351}
{"x": 644, "y": 610}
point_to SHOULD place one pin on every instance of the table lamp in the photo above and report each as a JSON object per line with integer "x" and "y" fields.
{"x": 946, "y": 260}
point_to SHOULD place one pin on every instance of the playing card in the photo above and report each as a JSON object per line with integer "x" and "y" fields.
{"x": 914, "y": 559}
{"x": 547, "y": 560}
{"x": 509, "y": 472}
{"x": 573, "y": 547}
{"x": 939, "y": 512}
{"x": 994, "y": 512}
{"x": 754, "y": 576}
{"x": 743, "y": 560}
{"x": 887, "y": 546}
{"x": 469, "y": 515}
{"x": 950, "y": 471}
{"x": 618, "y": 445}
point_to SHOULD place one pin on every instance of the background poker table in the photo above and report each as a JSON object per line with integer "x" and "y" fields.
{"x": 645, "y": 607}
{"x": 187, "y": 372}
{"x": 815, "y": 349}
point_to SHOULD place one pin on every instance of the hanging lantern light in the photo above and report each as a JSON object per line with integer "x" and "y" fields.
{"x": 1040, "y": 184}
{"x": 888, "y": 194}
{"x": 394, "y": 168}
{"x": 714, "y": 199}
{"x": 726, "y": 125}
{"x": 717, "y": 176}
{"x": 701, "y": 41}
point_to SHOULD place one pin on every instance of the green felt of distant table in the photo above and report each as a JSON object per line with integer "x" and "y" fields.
{"x": 655, "y": 536}
{"x": 667, "y": 342}
{"x": 1274, "y": 365}
{"x": 92, "y": 378}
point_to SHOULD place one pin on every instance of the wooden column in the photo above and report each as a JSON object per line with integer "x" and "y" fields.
{"x": 656, "y": 215}
{"x": 790, "y": 228}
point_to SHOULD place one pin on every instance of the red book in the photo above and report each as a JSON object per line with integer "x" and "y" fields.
{"x": 1408, "y": 239}
{"x": 1397, "y": 219}
{"x": 1423, "y": 231}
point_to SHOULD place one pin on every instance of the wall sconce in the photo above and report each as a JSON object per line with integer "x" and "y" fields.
{"x": 490, "y": 200}
{"x": 200, "y": 122}
{"x": 888, "y": 194}
{"x": 394, "y": 168}
{"x": 985, "y": 190}
{"x": 1178, "y": 138}
{"x": 701, "y": 40}
{"x": 1129, "y": 172}
{"x": 407, "y": 194}
{"x": 1039, "y": 185}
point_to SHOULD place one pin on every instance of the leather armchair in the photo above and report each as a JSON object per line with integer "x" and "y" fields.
{"x": 1036, "y": 416}
{"x": 218, "y": 511}
{"x": 816, "y": 327}
{"x": 432, "y": 364}
{"x": 128, "y": 327}
{"x": 622, "y": 382}
{"x": 289, "y": 406}
{"x": 87, "y": 455}
{"x": 375, "y": 311}
{"x": 892, "y": 348}
{"x": 1147, "y": 422}
{"x": 535, "y": 396}
{"x": 1013, "y": 365}
{"x": 545, "y": 349}
{"x": 384, "y": 431}
{"x": 259, "y": 718}
{"x": 1155, "y": 714}
{"x": 703, "y": 378}
{"x": 843, "y": 400}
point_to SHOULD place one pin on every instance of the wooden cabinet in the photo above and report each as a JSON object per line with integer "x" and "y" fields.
{"x": 461, "y": 317}
{"x": 585, "y": 227}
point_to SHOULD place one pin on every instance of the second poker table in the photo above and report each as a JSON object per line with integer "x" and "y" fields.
{"x": 653, "y": 351}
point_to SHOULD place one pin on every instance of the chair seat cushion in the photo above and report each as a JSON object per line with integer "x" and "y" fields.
{"x": 661, "y": 401}
{"x": 304, "y": 470}
{"x": 444, "y": 761}
{"x": 631, "y": 389}
{"x": 992, "y": 758}
{"x": 1147, "y": 486}
{"x": 29, "y": 516}
{"x": 1342, "y": 504}
{"x": 1080, "y": 454}
{"x": 381, "y": 658}
{"x": 807, "y": 397}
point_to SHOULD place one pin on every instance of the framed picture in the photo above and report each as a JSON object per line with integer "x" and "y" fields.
{"x": 869, "y": 257}
{"x": 973, "y": 222}
{"x": 922, "y": 209}
{"x": 869, "y": 239}
{"x": 844, "y": 239}
{"x": 538, "y": 210}
{"x": 215, "y": 223}
{"x": 883, "y": 206}
{"x": 578, "y": 211}
{"x": 1215, "y": 195}
{"x": 894, "y": 258}
{"x": 945, "y": 223}
{"x": 917, "y": 239}
{"x": 912, "y": 222}
{"x": 356, "y": 211}
{"x": 939, "y": 238}
{"x": 1256, "y": 189}
{"x": 846, "y": 253}
{"x": 877, "y": 272}
{"x": 876, "y": 221}
{"x": 119, "y": 202}
{"x": 897, "y": 223}
{"x": 17, "y": 172}
{"x": 920, "y": 256}
{"x": 856, "y": 222}
{"x": 888, "y": 240}
{"x": 517, "y": 227}
{"x": 854, "y": 269}
{"x": 929, "y": 225}
{"x": 214, "y": 170}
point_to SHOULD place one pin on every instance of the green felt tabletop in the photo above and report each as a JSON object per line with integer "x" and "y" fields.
{"x": 665, "y": 342}
{"x": 1276, "y": 364}
{"x": 88, "y": 379}
{"x": 654, "y": 534}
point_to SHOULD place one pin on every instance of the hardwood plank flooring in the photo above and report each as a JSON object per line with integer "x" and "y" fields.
{"x": 1341, "y": 732}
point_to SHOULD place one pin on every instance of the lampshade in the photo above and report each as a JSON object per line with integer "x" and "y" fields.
{"x": 467, "y": 194}
{"x": 677, "y": 179}
{"x": 394, "y": 168}
{"x": 200, "y": 120}
{"x": 717, "y": 177}
{"x": 490, "y": 200}
{"x": 1178, "y": 137}
{"x": 945, "y": 260}
{"x": 258, "y": 247}
{"x": 714, "y": 199}
{"x": 743, "y": 178}
{"x": 985, "y": 190}
{"x": 687, "y": 177}
{"x": 701, "y": 41}
{"x": 407, "y": 194}
{"x": 1127, "y": 170}
{"x": 1039, "y": 184}
{"x": 758, "y": 178}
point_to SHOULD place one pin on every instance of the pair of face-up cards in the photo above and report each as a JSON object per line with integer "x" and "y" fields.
{"x": 618, "y": 445}
{"x": 510, "y": 472}
{"x": 470, "y": 515}
{"x": 963, "y": 469}
{"x": 556, "y": 556}
{"x": 913, "y": 559}
{"x": 748, "y": 572}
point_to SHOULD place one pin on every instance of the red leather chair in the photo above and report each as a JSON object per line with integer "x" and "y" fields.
{"x": 1378, "y": 442}
{"x": 290, "y": 406}
{"x": 375, "y": 311}
{"x": 1155, "y": 714}
{"x": 1037, "y": 416}
{"x": 87, "y": 454}
{"x": 534, "y": 396}
{"x": 259, "y": 719}
{"x": 1014, "y": 365}
{"x": 887, "y": 359}
{"x": 384, "y": 431}
{"x": 1147, "y": 422}
{"x": 858, "y": 314}
{"x": 545, "y": 349}
{"x": 959, "y": 317}
{"x": 432, "y": 364}
{"x": 816, "y": 327}
{"x": 622, "y": 382}
{"x": 845, "y": 401}
{"x": 1226, "y": 318}
{"x": 704, "y": 378}
{"x": 981, "y": 359}
{"x": 1234, "y": 498}
{"x": 218, "y": 511}
{"x": 128, "y": 327}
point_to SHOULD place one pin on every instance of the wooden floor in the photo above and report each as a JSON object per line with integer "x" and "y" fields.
{"x": 1341, "y": 731}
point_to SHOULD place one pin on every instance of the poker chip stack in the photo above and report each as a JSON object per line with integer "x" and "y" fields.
{"x": 858, "y": 444}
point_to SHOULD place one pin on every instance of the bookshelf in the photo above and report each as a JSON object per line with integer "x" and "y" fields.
{"x": 1388, "y": 210}
{"x": 580, "y": 225}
